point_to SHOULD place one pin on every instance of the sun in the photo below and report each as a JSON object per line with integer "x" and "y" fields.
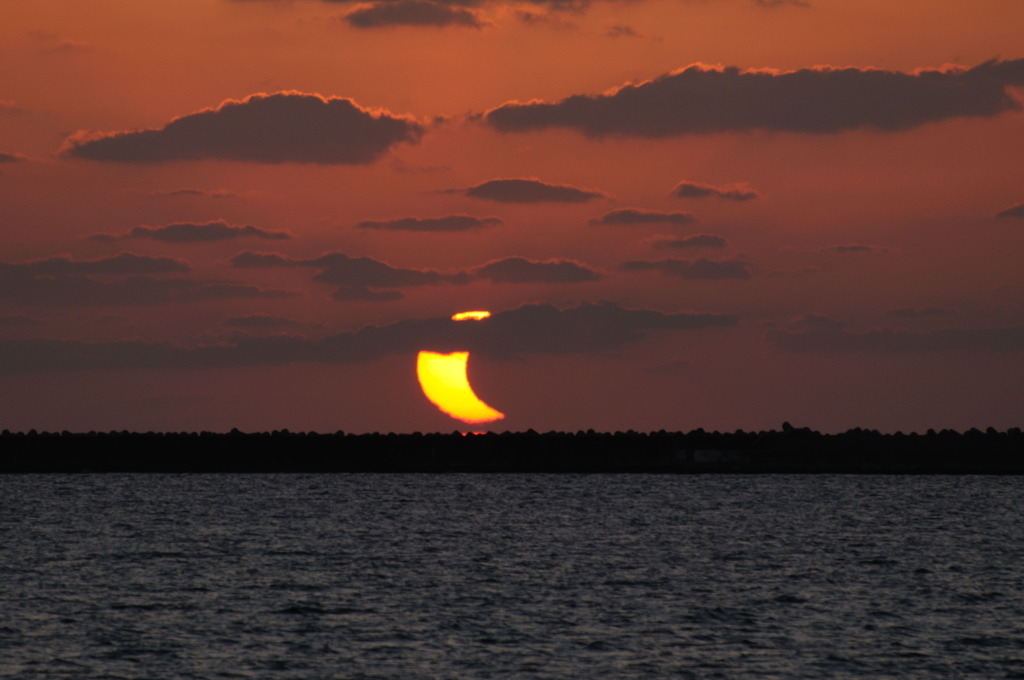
{"x": 444, "y": 381}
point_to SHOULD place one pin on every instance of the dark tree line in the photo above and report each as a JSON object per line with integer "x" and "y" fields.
{"x": 787, "y": 450}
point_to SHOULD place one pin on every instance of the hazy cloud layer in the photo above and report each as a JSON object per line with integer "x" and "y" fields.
{"x": 120, "y": 264}
{"x": 1012, "y": 211}
{"x": 412, "y": 13}
{"x": 916, "y": 313}
{"x": 446, "y": 223}
{"x": 188, "y": 232}
{"x": 124, "y": 279}
{"x": 637, "y": 216}
{"x": 889, "y": 340}
{"x": 702, "y": 99}
{"x": 521, "y": 270}
{"x": 259, "y": 322}
{"x": 736, "y": 192}
{"x": 264, "y": 128}
{"x": 531, "y": 329}
{"x": 530, "y": 190}
{"x": 694, "y": 241}
{"x": 11, "y": 157}
{"x": 16, "y": 321}
{"x": 367, "y": 279}
{"x": 692, "y": 269}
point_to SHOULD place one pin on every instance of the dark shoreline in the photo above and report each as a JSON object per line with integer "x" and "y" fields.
{"x": 790, "y": 450}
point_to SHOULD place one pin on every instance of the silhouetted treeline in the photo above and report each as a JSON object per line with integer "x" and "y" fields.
{"x": 789, "y": 450}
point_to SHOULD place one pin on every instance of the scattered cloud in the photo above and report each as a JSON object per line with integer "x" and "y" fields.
{"x": 636, "y": 216}
{"x": 521, "y": 270}
{"x": 890, "y": 340}
{"x": 189, "y": 232}
{"x": 530, "y": 329}
{"x": 702, "y": 99}
{"x": 9, "y": 106}
{"x": 621, "y": 31}
{"x": 357, "y": 278}
{"x": 11, "y": 157}
{"x": 263, "y": 128}
{"x": 1012, "y": 211}
{"x": 530, "y": 190}
{"x": 734, "y": 192}
{"x": 694, "y": 241}
{"x": 692, "y": 269}
{"x": 364, "y": 278}
{"x": 412, "y": 13}
{"x": 447, "y": 223}
{"x": 54, "y": 43}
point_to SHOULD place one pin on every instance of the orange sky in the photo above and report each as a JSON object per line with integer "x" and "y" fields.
{"x": 726, "y": 213}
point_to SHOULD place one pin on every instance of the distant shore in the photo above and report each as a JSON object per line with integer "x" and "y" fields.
{"x": 790, "y": 450}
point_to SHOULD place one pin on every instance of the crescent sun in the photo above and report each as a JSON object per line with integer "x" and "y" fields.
{"x": 445, "y": 383}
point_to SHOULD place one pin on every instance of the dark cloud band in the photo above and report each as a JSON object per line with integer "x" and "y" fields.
{"x": 531, "y": 329}
{"x": 701, "y": 99}
{"x": 530, "y": 190}
{"x": 262, "y": 128}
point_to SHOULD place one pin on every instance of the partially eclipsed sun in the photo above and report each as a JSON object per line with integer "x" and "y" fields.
{"x": 445, "y": 383}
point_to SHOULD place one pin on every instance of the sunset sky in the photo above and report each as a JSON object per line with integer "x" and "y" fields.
{"x": 681, "y": 213}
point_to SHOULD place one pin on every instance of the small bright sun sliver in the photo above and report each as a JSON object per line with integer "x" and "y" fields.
{"x": 445, "y": 383}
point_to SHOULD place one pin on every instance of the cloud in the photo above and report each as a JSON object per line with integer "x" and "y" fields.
{"x": 521, "y": 270}
{"x": 367, "y": 279}
{"x": 914, "y": 313}
{"x": 889, "y": 340}
{"x": 120, "y": 264}
{"x": 11, "y": 157}
{"x": 411, "y": 13}
{"x": 530, "y": 190}
{"x": 735, "y": 192}
{"x": 692, "y": 269}
{"x": 262, "y": 128}
{"x": 357, "y": 278}
{"x": 216, "y": 193}
{"x": 364, "y": 294}
{"x": 701, "y": 99}
{"x": 124, "y": 279}
{"x": 259, "y": 321}
{"x": 54, "y": 43}
{"x": 620, "y": 31}
{"x": 1012, "y": 211}
{"x": 446, "y": 223}
{"x": 694, "y": 241}
{"x": 189, "y": 232}
{"x": 635, "y": 216}
{"x": 527, "y": 330}
{"x": 16, "y": 321}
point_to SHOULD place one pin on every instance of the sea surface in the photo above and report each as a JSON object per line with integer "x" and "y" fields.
{"x": 511, "y": 576}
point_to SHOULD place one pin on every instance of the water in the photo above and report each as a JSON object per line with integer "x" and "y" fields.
{"x": 510, "y": 576}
